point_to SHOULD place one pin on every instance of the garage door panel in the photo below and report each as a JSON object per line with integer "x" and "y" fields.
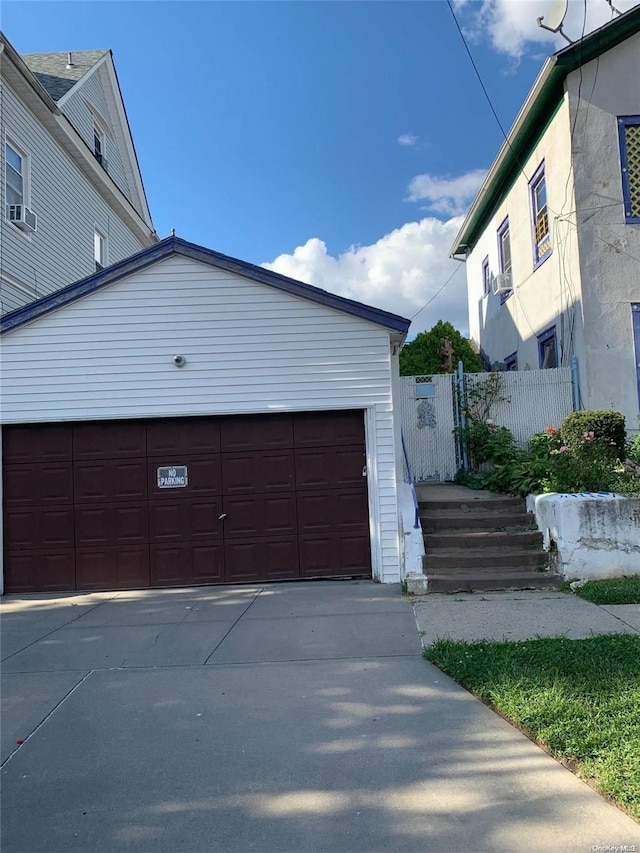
{"x": 335, "y": 555}
{"x": 110, "y": 481}
{"x": 326, "y": 511}
{"x": 33, "y": 528}
{"x": 320, "y": 429}
{"x": 98, "y": 525}
{"x": 260, "y": 515}
{"x": 38, "y": 484}
{"x": 203, "y": 477}
{"x": 112, "y": 567}
{"x": 108, "y": 440}
{"x": 37, "y": 443}
{"x": 182, "y": 521}
{"x": 248, "y": 560}
{"x": 40, "y": 571}
{"x": 183, "y": 437}
{"x": 331, "y": 467}
{"x": 258, "y": 472}
{"x": 187, "y": 563}
{"x": 255, "y": 432}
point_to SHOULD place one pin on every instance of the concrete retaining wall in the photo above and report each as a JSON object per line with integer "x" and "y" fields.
{"x": 590, "y": 536}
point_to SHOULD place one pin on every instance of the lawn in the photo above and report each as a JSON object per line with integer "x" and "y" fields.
{"x": 612, "y": 591}
{"x": 578, "y": 698}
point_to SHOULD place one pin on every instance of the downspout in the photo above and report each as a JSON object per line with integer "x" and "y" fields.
{"x": 575, "y": 384}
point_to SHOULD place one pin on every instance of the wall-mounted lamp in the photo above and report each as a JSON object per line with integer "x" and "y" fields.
{"x": 179, "y": 360}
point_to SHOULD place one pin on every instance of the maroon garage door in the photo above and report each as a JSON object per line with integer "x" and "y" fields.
{"x": 112, "y": 505}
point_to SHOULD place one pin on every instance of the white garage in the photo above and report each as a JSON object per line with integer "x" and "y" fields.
{"x": 184, "y": 417}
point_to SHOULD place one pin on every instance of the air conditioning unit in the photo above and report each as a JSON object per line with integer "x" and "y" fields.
{"x": 21, "y": 216}
{"x": 103, "y": 161}
{"x": 502, "y": 283}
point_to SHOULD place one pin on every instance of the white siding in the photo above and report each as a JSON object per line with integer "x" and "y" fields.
{"x": 249, "y": 348}
{"x": 68, "y": 208}
{"x": 81, "y": 117}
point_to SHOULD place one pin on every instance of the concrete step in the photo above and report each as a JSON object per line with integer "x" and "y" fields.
{"x": 475, "y": 504}
{"x": 489, "y": 521}
{"x": 465, "y": 581}
{"x": 480, "y": 539}
{"x": 457, "y": 559}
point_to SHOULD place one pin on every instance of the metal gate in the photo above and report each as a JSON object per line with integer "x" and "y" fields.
{"x": 428, "y": 420}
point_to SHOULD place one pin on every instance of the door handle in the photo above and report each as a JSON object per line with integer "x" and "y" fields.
{"x": 220, "y": 517}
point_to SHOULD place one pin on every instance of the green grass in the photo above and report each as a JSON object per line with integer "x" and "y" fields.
{"x": 578, "y": 698}
{"x": 612, "y": 591}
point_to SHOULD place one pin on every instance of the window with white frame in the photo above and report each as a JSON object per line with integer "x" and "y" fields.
{"x": 629, "y": 135}
{"x": 16, "y": 175}
{"x": 540, "y": 216}
{"x": 99, "y": 147}
{"x": 99, "y": 249}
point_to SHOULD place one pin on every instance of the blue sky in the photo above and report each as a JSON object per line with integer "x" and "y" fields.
{"x": 338, "y": 142}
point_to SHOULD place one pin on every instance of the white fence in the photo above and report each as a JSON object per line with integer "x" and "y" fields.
{"x": 528, "y": 402}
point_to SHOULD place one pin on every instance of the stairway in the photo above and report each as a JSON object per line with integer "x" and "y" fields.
{"x": 476, "y": 540}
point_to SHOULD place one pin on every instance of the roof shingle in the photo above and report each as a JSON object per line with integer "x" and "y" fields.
{"x": 52, "y": 71}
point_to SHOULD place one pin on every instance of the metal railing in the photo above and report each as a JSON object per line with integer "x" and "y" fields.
{"x": 416, "y": 508}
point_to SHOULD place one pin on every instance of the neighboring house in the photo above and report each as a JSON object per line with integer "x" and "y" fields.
{"x": 552, "y": 241}
{"x": 198, "y": 419}
{"x": 71, "y": 192}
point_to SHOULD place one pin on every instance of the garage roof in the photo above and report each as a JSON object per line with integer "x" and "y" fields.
{"x": 176, "y": 246}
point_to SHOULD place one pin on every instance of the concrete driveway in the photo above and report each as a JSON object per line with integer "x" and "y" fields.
{"x": 290, "y": 717}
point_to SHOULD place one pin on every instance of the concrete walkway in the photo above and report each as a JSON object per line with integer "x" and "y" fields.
{"x": 291, "y": 717}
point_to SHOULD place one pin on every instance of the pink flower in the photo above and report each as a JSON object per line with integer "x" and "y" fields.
{"x": 492, "y": 426}
{"x": 551, "y": 430}
{"x": 588, "y": 436}
{"x": 564, "y": 449}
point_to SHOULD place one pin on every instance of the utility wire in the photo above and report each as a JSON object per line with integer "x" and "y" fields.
{"x": 437, "y": 293}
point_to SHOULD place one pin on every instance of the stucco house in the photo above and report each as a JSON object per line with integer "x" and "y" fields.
{"x": 183, "y": 418}
{"x": 552, "y": 240}
{"x": 71, "y": 191}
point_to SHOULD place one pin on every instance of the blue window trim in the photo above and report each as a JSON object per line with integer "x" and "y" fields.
{"x": 623, "y": 123}
{"x": 511, "y": 361}
{"x": 486, "y": 280}
{"x": 504, "y": 226}
{"x": 538, "y": 257}
{"x": 543, "y": 337}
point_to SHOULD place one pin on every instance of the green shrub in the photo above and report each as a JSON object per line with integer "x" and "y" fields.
{"x": 604, "y": 428}
{"x": 633, "y": 449}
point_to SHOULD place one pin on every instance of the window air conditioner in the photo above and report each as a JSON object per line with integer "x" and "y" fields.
{"x": 502, "y": 283}
{"x": 21, "y": 216}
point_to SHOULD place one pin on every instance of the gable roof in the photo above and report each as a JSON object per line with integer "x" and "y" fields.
{"x": 546, "y": 94}
{"x": 53, "y": 72}
{"x": 172, "y": 246}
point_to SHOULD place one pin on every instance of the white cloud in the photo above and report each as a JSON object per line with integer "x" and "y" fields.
{"x": 407, "y": 139}
{"x": 398, "y": 273}
{"x": 511, "y": 25}
{"x": 450, "y": 196}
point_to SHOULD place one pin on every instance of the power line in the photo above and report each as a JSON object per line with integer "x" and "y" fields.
{"x": 437, "y": 293}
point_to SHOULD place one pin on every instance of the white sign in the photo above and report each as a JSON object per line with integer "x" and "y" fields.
{"x": 173, "y": 478}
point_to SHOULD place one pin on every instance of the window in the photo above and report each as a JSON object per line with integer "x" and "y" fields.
{"x": 540, "y": 217}
{"x": 14, "y": 175}
{"x": 504, "y": 256}
{"x": 486, "y": 277}
{"x": 629, "y": 132}
{"x": 99, "y": 250}
{"x": 547, "y": 349}
{"x": 511, "y": 361}
{"x": 99, "y": 148}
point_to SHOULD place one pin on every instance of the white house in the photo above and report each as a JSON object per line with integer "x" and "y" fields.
{"x": 71, "y": 192}
{"x": 552, "y": 241}
{"x": 182, "y": 417}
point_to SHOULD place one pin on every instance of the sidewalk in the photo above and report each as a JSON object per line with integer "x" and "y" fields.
{"x": 523, "y": 615}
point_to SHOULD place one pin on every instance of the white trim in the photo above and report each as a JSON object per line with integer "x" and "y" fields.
{"x": 372, "y": 488}
{"x": 9, "y": 279}
{"x": 70, "y": 92}
{"x": 99, "y": 233}
{"x": 16, "y": 144}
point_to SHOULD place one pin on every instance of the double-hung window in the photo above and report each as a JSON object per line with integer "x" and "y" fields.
{"x": 15, "y": 175}
{"x": 511, "y": 361}
{"x": 504, "y": 258}
{"x": 540, "y": 217}
{"x": 629, "y": 134}
{"x": 99, "y": 148}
